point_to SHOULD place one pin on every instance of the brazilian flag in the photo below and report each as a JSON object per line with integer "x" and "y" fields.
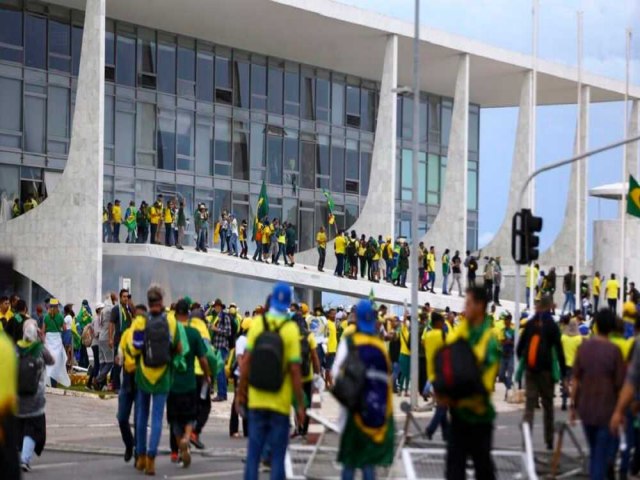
{"x": 330, "y": 205}
{"x": 633, "y": 198}
{"x": 262, "y": 209}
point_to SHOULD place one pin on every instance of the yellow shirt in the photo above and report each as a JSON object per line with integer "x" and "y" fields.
{"x": 116, "y": 214}
{"x": 612, "y": 289}
{"x": 350, "y": 329}
{"x": 432, "y": 340}
{"x": 595, "y": 286}
{"x": 9, "y": 377}
{"x": 570, "y": 348}
{"x": 405, "y": 347}
{"x": 531, "y": 276}
{"x": 313, "y": 345}
{"x": 154, "y": 214}
{"x": 362, "y": 250}
{"x": 280, "y": 401}
{"x": 266, "y": 234}
{"x": 129, "y": 362}
{"x": 321, "y": 240}
{"x": 168, "y": 218}
{"x": 623, "y": 344}
{"x": 341, "y": 244}
{"x": 202, "y": 329}
{"x": 431, "y": 262}
{"x": 332, "y": 337}
{"x": 5, "y": 317}
{"x": 242, "y": 233}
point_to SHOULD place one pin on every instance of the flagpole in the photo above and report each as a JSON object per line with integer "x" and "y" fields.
{"x": 625, "y": 174}
{"x": 533, "y": 115}
{"x": 579, "y": 150}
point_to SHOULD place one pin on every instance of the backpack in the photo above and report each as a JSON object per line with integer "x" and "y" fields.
{"x": 267, "y": 360}
{"x": 473, "y": 265}
{"x": 457, "y": 373}
{"x": 87, "y": 336}
{"x": 29, "y": 371}
{"x": 350, "y": 381}
{"x": 157, "y": 341}
{"x": 305, "y": 354}
{"x": 385, "y": 252}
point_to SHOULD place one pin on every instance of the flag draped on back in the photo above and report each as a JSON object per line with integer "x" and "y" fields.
{"x": 633, "y": 197}
{"x": 330, "y": 205}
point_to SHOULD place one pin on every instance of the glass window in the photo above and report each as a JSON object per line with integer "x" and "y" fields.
{"x": 257, "y": 145}
{"x": 406, "y": 178}
{"x": 306, "y": 231}
{"x": 109, "y": 44}
{"x": 472, "y": 190}
{"x": 307, "y": 97}
{"x": 422, "y": 177}
{"x": 146, "y": 51}
{"x": 337, "y": 103}
{"x": 9, "y": 181}
{"x": 11, "y": 35}
{"x": 185, "y": 138}
{"x": 186, "y": 71}
{"x": 407, "y": 117}
{"x": 275, "y": 90}
{"x": 474, "y": 129}
{"x": 166, "y": 68}
{"x": 423, "y": 120}
{"x": 291, "y": 154}
{"x": 353, "y": 164}
{"x": 204, "y": 78}
{"x": 222, "y": 140}
{"x": 353, "y": 106}
{"x": 167, "y": 140}
{"x": 35, "y": 41}
{"x": 126, "y": 61}
{"x": 274, "y": 159}
{"x": 109, "y": 116}
{"x": 447, "y": 112}
{"x": 322, "y": 216}
{"x": 223, "y": 80}
{"x": 365, "y": 172}
{"x": 34, "y": 123}
{"x": 433, "y": 180}
{"x": 125, "y": 129}
{"x": 337, "y": 168}
{"x": 307, "y": 164}
{"x": 258, "y": 87}
{"x": 58, "y": 112}
{"x": 434, "y": 120}
{"x": 240, "y": 154}
{"x": 204, "y": 142}
{"x": 59, "y": 46}
{"x": 323, "y": 91}
{"x": 146, "y": 127}
{"x": 11, "y": 101}
{"x": 291, "y": 93}
{"x": 241, "y": 79}
{"x": 221, "y": 201}
{"x": 76, "y": 48}
{"x": 367, "y": 109}
{"x": 290, "y": 211}
{"x": 323, "y": 158}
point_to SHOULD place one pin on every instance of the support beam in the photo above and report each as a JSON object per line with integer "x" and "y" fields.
{"x": 449, "y": 229}
{"x": 632, "y": 148}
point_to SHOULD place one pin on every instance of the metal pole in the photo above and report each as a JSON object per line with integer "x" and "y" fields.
{"x": 625, "y": 174}
{"x": 579, "y": 149}
{"x": 413, "y": 270}
{"x": 533, "y": 115}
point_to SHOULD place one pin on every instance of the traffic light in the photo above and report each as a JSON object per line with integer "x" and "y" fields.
{"x": 524, "y": 237}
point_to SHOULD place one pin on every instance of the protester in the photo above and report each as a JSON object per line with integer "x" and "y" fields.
{"x": 119, "y": 321}
{"x": 221, "y": 338}
{"x": 404, "y": 359}
{"x": 571, "y": 341}
{"x": 116, "y": 219}
{"x": 53, "y": 326}
{"x": 434, "y": 340}
{"x": 612, "y": 290}
{"x": 506, "y": 337}
{"x": 340, "y": 247}
{"x": 236, "y": 367}
{"x": 127, "y": 393}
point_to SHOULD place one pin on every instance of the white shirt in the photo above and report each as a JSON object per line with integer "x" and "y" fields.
{"x": 341, "y": 356}
{"x": 234, "y": 226}
{"x": 241, "y": 346}
{"x": 68, "y": 320}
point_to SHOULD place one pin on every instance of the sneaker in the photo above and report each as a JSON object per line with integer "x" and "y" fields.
{"x": 185, "y": 454}
{"x": 195, "y": 441}
{"x": 25, "y": 467}
{"x": 219, "y": 399}
{"x": 174, "y": 457}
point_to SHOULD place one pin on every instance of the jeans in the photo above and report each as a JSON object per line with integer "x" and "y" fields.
{"x": 469, "y": 440}
{"x": 454, "y": 280}
{"x": 613, "y": 304}
{"x": 339, "y": 271}
{"x": 527, "y": 295}
{"x": 233, "y": 244}
{"x": 126, "y": 399}
{"x": 221, "y": 378}
{"x": 596, "y": 303}
{"x": 441, "y": 420}
{"x": 143, "y": 401}
{"x": 395, "y": 373}
{"x": 402, "y": 278}
{"x": 389, "y": 272}
{"x": 257, "y": 255}
{"x": 28, "y": 446}
{"x": 244, "y": 248}
{"x": 630, "y": 432}
{"x": 106, "y": 232}
{"x": 223, "y": 240}
{"x": 601, "y": 449}
{"x": 445, "y": 280}
{"x": 432, "y": 280}
{"x": 569, "y": 301}
{"x": 565, "y": 390}
{"x": 281, "y": 252}
{"x": 143, "y": 233}
{"x": 168, "y": 234}
{"x": 267, "y": 428}
{"x": 496, "y": 294}
{"x": 322, "y": 254}
{"x": 506, "y": 370}
{"x": 368, "y": 473}
{"x": 116, "y": 232}
{"x": 154, "y": 233}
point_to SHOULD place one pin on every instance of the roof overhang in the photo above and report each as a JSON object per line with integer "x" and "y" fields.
{"x": 331, "y": 35}
{"x": 611, "y": 191}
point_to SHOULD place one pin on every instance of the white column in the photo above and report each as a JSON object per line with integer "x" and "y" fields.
{"x": 449, "y": 229}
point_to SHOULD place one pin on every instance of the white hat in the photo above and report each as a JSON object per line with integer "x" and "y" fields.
{"x": 99, "y": 306}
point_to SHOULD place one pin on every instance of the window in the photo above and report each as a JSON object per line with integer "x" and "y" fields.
{"x": 35, "y": 41}
{"x": 434, "y": 120}
{"x": 186, "y": 68}
{"x": 353, "y": 106}
{"x": 185, "y": 137}
{"x": 125, "y": 60}
{"x": 125, "y": 129}
{"x": 337, "y": 168}
{"x": 352, "y": 169}
{"x": 167, "y": 140}
{"x": 307, "y": 231}
{"x": 221, "y": 201}
{"x": 166, "y": 67}
{"x": 58, "y": 112}
{"x": 204, "y": 143}
{"x": 257, "y": 153}
{"x": 323, "y": 90}
{"x": 433, "y": 180}
{"x": 291, "y": 153}
{"x": 472, "y": 190}
{"x": 365, "y": 171}
{"x": 241, "y": 73}
{"x": 109, "y": 52}
{"x": 447, "y": 112}
{"x": 291, "y": 93}
{"x": 274, "y": 159}
{"x": 407, "y": 117}
{"x": 76, "y": 49}
{"x": 11, "y": 112}
{"x": 275, "y": 90}
{"x": 11, "y": 35}
{"x": 59, "y": 46}
{"x": 258, "y": 87}
{"x": 423, "y": 120}
{"x": 337, "y": 103}
{"x": 34, "y": 123}
{"x": 240, "y": 152}
{"x": 406, "y": 174}
{"x": 422, "y": 177}
{"x": 204, "y": 77}
{"x": 146, "y": 58}
{"x": 474, "y": 128}
{"x": 223, "y": 80}
{"x": 146, "y": 134}
{"x": 222, "y": 140}
{"x": 323, "y": 164}
{"x": 307, "y": 97}
{"x": 367, "y": 109}
{"x": 109, "y": 134}
{"x": 307, "y": 164}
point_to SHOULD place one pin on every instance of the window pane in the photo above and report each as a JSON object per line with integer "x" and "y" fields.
{"x": 322, "y": 99}
{"x": 223, "y": 75}
{"x": 323, "y": 159}
{"x": 9, "y": 181}
{"x": 146, "y": 126}
{"x": 307, "y": 98}
{"x": 125, "y": 127}
{"x": 11, "y": 101}
{"x": 34, "y": 124}
{"x": 365, "y": 166}
{"x": 422, "y": 179}
{"x": 337, "y": 169}
{"x": 433, "y": 179}
{"x": 407, "y": 118}
{"x": 291, "y": 154}
{"x": 353, "y": 100}
{"x": 406, "y": 178}
{"x": 58, "y": 112}
{"x": 204, "y": 141}
{"x": 35, "y": 30}
{"x": 76, "y": 48}
{"x": 222, "y": 201}
{"x": 353, "y": 165}
{"x": 167, "y": 142}
{"x": 11, "y": 34}
{"x": 186, "y": 63}
{"x": 275, "y": 90}
{"x": 434, "y": 119}
{"x": 240, "y": 155}
{"x": 108, "y": 120}
{"x": 147, "y": 51}
{"x": 306, "y": 231}
{"x": 241, "y": 79}
{"x": 222, "y": 132}
{"x": 109, "y": 45}
{"x": 474, "y": 130}
{"x": 337, "y": 104}
{"x": 308, "y": 165}
{"x": 258, "y": 86}
{"x": 274, "y": 159}
{"x": 185, "y": 133}
{"x": 423, "y": 121}
{"x": 167, "y": 68}
{"x": 291, "y": 93}
{"x": 59, "y": 38}
{"x": 257, "y": 145}
{"x": 367, "y": 109}
{"x": 472, "y": 190}
{"x": 204, "y": 81}
{"x": 126, "y": 61}
{"x": 447, "y": 111}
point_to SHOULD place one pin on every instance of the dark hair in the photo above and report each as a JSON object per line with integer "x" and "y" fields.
{"x": 436, "y": 318}
{"x": 182, "y": 307}
{"x": 123, "y": 290}
{"x": 21, "y": 306}
{"x": 68, "y": 310}
{"x": 605, "y": 321}
{"x": 154, "y": 294}
{"x": 478, "y": 294}
{"x": 142, "y": 307}
{"x": 4, "y": 298}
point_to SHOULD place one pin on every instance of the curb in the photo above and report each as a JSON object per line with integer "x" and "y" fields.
{"x": 117, "y": 452}
{"x": 74, "y": 393}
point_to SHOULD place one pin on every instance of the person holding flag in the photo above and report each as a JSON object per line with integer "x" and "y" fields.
{"x": 131, "y": 222}
{"x": 262, "y": 211}
{"x": 330, "y": 206}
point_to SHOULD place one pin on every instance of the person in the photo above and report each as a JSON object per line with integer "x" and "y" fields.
{"x": 569, "y": 290}
{"x": 340, "y": 247}
{"x": 281, "y": 241}
{"x": 16, "y": 208}
{"x": 106, "y": 224}
{"x": 30, "y": 203}
{"x": 310, "y": 369}
{"x": 67, "y": 334}
{"x": 290, "y": 248}
{"x": 13, "y": 320}
{"x": 403, "y": 264}
{"x": 142, "y": 223}
{"x": 404, "y": 359}
{"x": 130, "y": 222}
{"x": 540, "y": 347}
{"x": 221, "y": 338}
{"x": 433, "y": 340}
{"x": 571, "y": 341}
{"x": 472, "y": 418}
{"x": 223, "y": 229}
{"x": 53, "y": 326}
{"x": 105, "y": 349}
{"x": 242, "y": 236}
{"x": 267, "y": 389}
{"x": 549, "y": 284}
{"x": 456, "y": 272}
{"x": 506, "y": 337}
{"x": 430, "y": 261}
{"x": 595, "y": 392}
{"x": 257, "y": 237}
{"x": 202, "y": 227}
{"x": 9, "y": 458}
{"x": 531, "y": 274}
{"x": 240, "y": 349}
{"x": 634, "y": 294}
{"x": 155, "y": 219}
{"x": 471, "y": 264}
{"x": 232, "y": 242}
{"x": 489, "y": 275}
{"x": 158, "y": 335}
{"x": 352, "y": 255}
{"x": 332, "y": 345}
{"x": 366, "y": 433}
{"x": 168, "y": 224}
{"x": 119, "y": 320}
{"x": 362, "y": 255}
{"x": 116, "y": 218}
{"x": 267, "y": 231}
{"x": 33, "y": 356}
{"x": 94, "y": 327}
{"x": 612, "y": 289}
{"x": 446, "y": 269}
{"x": 182, "y": 402}
{"x": 321, "y": 244}
{"x": 497, "y": 280}
{"x": 181, "y": 223}
{"x": 387, "y": 256}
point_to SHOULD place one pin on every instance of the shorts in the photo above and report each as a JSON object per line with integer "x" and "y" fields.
{"x": 67, "y": 337}
{"x": 328, "y": 360}
{"x": 182, "y": 408}
{"x": 265, "y": 248}
{"x": 290, "y": 250}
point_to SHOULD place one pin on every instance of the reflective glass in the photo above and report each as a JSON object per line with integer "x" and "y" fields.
{"x": 221, "y": 201}
{"x": 423, "y": 121}
{"x": 422, "y": 178}
{"x": 337, "y": 104}
{"x": 407, "y": 117}
{"x": 109, "y": 45}
{"x": 367, "y": 109}
{"x": 291, "y": 154}
{"x": 365, "y": 171}
{"x": 353, "y": 164}
{"x": 350, "y": 215}
{"x": 472, "y": 190}
{"x": 241, "y": 80}
{"x": 257, "y": 145}
{"x": 434, "y": 119}
{"x": 275, "y": 90}
{"x": 222, "y": 140}
{"x": 406, "y": 178}
{"x": 291, "y": 93}
{"x": 306, "y": 231}
{"x": 274, "y": 159}
{"x": 108, "y": 120}
{"x": 126, "y": 61}
{"x": 337, "y": 169}
{"x": 167, "y": 142}
{"x": 146, "y": 126}
{"x": 186, "y": 63}
{"x": 34, "y": 123}
{"x": 204, "y": 81}
{"x": 223, "y": 75}
{"x": 322, "y": 217}
{"x": 323, "y": 160}
{"x": 59, "y": 41}
{"x": 11, "y": 102}
{"x": 147, "y": 51}
{"x": 240, "y": 155}
{"x": 433, "y": 180}
{"x": 185, "y": 137}
{"x": 76, "y": 48}
{"x": 58, "y": 112}
{"x": 35, "y": 39}
{"x": 307, "y": 165}
{"x": 204, "y": 142}
{"x": 474, "y": 130}
{"x": 353, "y": 100}
{"x": 9, "y": 181}
{"x": 447, "y": 111}
{"x": 258, "y": 87}
{"x": 323, "y": 89}
{"x": 166, "y": 68}
{"x": 11, "y": 34}
{"x": 290, "y": 211}
{"x": 125, "y": 128}
{"x": 307, "y": 97}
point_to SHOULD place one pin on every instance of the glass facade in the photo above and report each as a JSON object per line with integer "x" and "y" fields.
{"x": 205, "y": 122}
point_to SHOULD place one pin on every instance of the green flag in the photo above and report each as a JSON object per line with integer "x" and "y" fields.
{"x": 330, "y": 205}
{"x": 262, "y": 209}
{"x": 633, "y": 197}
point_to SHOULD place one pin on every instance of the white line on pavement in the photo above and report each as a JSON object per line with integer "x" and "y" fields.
{"x": 206, "y": 475}
{"x": 54, "y": 465}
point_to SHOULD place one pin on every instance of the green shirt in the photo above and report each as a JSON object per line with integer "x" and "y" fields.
{"x": 53, "y": 324}
{"x": 185, "y": 382}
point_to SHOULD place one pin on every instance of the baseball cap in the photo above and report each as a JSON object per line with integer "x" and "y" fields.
{"x": 54, "y": 302}
{"x": 281, "y": 297}
{"x": 365, "y": 317}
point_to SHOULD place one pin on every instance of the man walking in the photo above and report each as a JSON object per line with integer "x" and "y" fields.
{"x": 221, "y": 338}
{"x": 321, "y": 243}
{"x": 431, "y": 268}
{"x": 471, "y": 264}
{"x": 119, "y": 321}
{"x": 116, "y": 217}
{"x": 569, "y": 290}
{"x": 456, "y": 270}
{"x": 340, "y": 247}
{"x": 446, "y": 268}
{"x": 497, "y": 280}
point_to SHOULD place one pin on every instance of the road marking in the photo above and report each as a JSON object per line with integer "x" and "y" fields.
{"x": 54, "y": 465}
{"x": 207, "y": 475}
{"x": 83, "y": 425}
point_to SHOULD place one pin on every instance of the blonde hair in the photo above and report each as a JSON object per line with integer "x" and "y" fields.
{"x": 30, "y": 330}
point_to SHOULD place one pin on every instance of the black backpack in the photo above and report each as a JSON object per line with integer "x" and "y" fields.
{"x": 157, "y": 341}
{"x": 305, "y": 353}
{"x": 457, "y": 373}
{"x": 267, "y": 360}
{"x": 350, "y": 381}
{"x": 473, "y": 265}
{"x": 29, "y": 372}
{"x": 352, "y": 250}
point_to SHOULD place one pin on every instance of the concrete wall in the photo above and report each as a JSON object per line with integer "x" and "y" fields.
{"x": 606, "y": 248}
{"x": 59, "y": 243}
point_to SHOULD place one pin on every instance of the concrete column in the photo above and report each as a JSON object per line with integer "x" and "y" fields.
{"x": 377, "y": 214}
{"x": 59, "y": 244}
{"x": 561, "y": 253}
{"x": 632, "y": 148}
{"x": 449, "y": 230}
{"x": 500, "y": 245}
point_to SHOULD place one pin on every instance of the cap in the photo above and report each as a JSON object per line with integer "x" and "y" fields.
{"x": 366, "y": 316}
{"x": 304, "y": 308}
{"x": 233, "y": 305}
{"x": 99, "y": 306}
{"x": 54, "y": 302}
{"x": 281, "y": 297}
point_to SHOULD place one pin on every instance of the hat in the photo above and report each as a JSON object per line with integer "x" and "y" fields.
{"x": 218, "y": 303}
{"x": 198, "y": 313}
{"x": 366, "y": 317}
{"x": 340, "y": 307}
{"x": 54, "y": 302}
{"x": 99, "y": 306}
{"x": 281, "y": 297}
{"x": 304, "y": 308}
{"x": 233, "y": 305}
{"x": 187, "y": 299}
{"x": 85, "y": 302}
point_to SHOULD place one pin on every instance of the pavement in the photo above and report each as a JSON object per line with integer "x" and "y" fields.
{"x": 83, "y": 439}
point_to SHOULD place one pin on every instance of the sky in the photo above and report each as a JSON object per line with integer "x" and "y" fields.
{"x": 507, "y": 24}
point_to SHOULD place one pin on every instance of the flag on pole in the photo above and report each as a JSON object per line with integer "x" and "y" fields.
{"x": 262, "y": 209}
{"x": 633, "y": 197}
{"x": 372, "y": 298}
{"x": 330, "y": 205}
